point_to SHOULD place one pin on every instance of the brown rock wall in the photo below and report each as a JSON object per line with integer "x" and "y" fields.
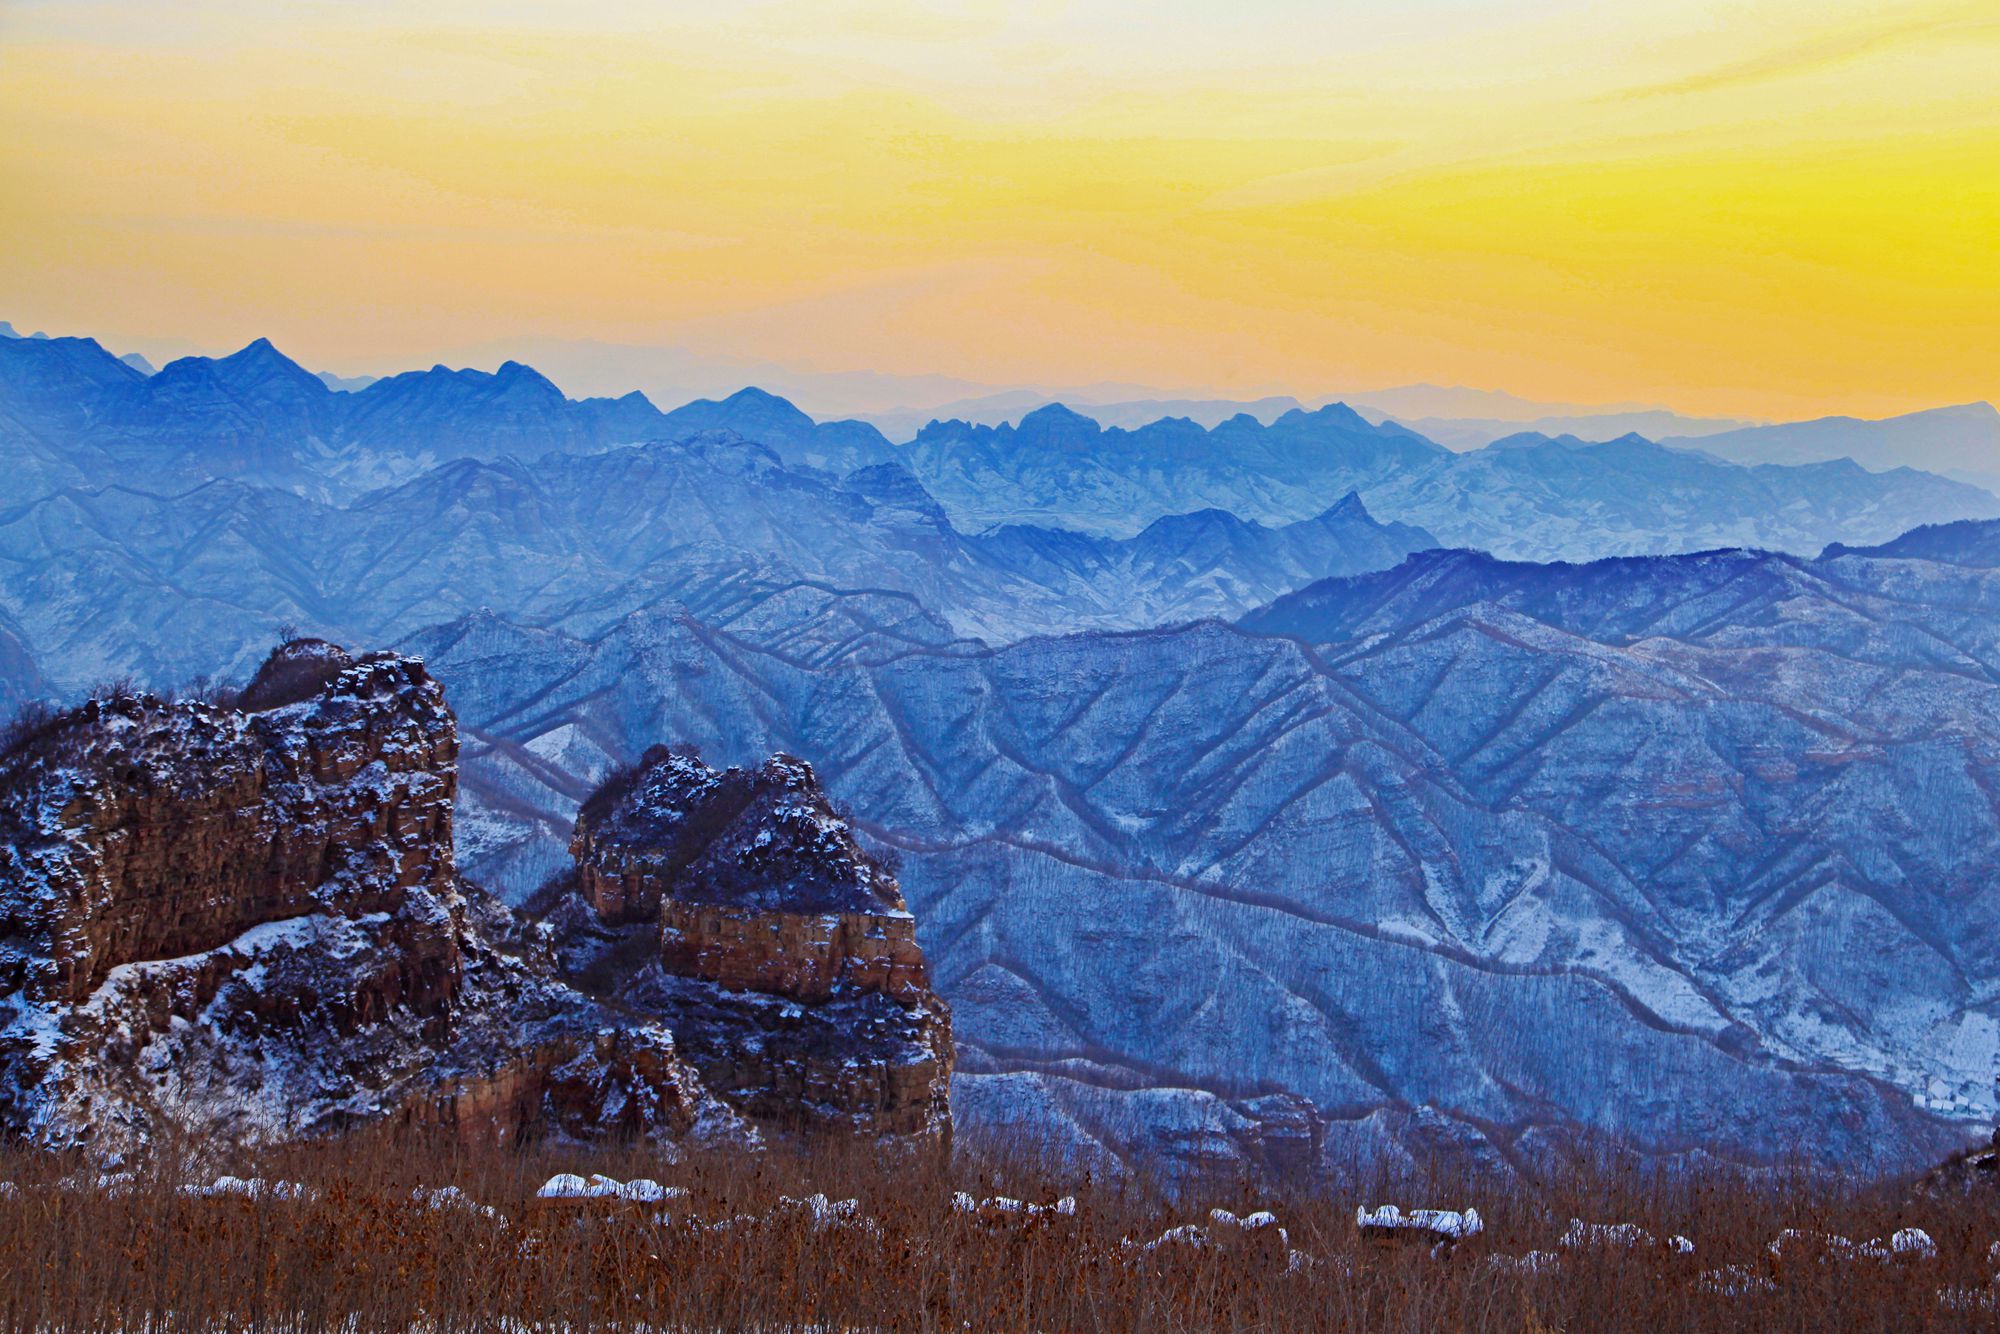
{"x": 261, "y": 908}
{"x": 805, "y": 956}
{"x": 614, "y": 1083}
{"x": 790, "y": 968}
{"x": 157, "y": 829}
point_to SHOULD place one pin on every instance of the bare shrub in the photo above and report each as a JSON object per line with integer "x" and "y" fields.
{"x": 357, "y": 1242}
{"x": 212, "y": 691}
{"x": 36, "y": 721}
{"x": 297, "y": 670}
{"x": 116, "y": 688}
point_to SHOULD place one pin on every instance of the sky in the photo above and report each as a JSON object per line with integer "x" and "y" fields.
{"x": 1760, "y": 208}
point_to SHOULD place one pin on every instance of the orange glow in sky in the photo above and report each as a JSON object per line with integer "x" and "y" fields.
{"x": 1764, "y": 207}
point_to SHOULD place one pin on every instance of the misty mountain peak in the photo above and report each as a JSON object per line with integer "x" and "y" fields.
{"x": 520, "y": 380}
{"x": 1333, "y": 414}
{"x": 1052, "y": 419}
{"x": 750, "y": 396}
{"x": 261, "y": 364}
{"x": 519, "y": 372}
{"x": 29, "y": 359}
{"x": 751, "y": 411}
{"x": 1341, "y": 414}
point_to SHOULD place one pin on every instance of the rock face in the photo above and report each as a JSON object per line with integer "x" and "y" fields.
{"x": 139, "y": 830}
{"x": 756, "y": 883}
{"x": 785, "y": 959}
{"x": 247, "y": 920}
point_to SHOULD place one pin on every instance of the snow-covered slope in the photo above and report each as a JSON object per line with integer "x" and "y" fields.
{"x": 112, "y": 580}
{"x": 1527, "y": 497}
{"x": 1697, "y": 851}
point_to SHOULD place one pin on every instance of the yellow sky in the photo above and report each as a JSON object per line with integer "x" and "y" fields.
{"x": 1761, "y": 207}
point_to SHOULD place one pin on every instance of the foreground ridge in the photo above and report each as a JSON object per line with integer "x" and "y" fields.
{"x": 782, "y": 952}
{"x": 243, "y": 918}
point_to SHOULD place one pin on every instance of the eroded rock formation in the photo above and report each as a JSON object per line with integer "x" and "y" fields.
{"x": 139, "y": 830}
{"x": 782, "y": 954}
{"x": 245, "y": 918}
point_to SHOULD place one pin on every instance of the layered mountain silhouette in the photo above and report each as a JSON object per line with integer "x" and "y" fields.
{"x": 1961, "y": 441}
{"x": 258, "y": 416}
{"x": 73, "y": 414}
{"x": 1236, "y": 811}
{"x": 1529, "y": 496}
{"x": 165, "y": 586}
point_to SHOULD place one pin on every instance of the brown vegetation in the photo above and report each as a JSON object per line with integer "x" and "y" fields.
{"x": 360, "y": 1249}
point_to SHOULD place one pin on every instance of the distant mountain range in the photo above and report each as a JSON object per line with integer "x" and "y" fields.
{"x": 72, "y": 415}
{"x": 120, "y": 580}
{"x": 1130, "y": 414}
{"x": 1460, "y": 432}
{"x": 345, "y": 383}
{"x": 1466, "y": 433}
{"x": 1527, "y": 496}
{"x": 1961, "y": 442}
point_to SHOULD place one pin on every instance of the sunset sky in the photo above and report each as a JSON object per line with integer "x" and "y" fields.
{"x": 1764, "y": 208}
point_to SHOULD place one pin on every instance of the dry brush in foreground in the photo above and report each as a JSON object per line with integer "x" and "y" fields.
{"x": 364, "y": 1236}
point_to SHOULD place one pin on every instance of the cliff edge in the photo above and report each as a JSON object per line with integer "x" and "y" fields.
{"x": 738, "y": 906}
{"x": 244, "y": 919}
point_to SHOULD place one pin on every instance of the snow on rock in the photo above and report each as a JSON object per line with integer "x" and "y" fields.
{"x": 251, "y": 1188}
{"x": 1618, "y": 1236}
{"x": 1448, "y": 1224}
{"x": 1001, "y": 1206}
{"x": 640, "y": 1190}
{"x": 782, "y": 955}
{"x": 1910, "y": 1243}
{"x": 825, "y": 1214}
{"x": 1185, "y": 1235}
{"x": 451, "y": 1197}
{"x": 1257, "y": 1234}
{"x": 1253, "y": 1222}
{"x": 249, "y": 920}
{"x": 1913, "y": 1243}
{"x": 1252, "y": 1227}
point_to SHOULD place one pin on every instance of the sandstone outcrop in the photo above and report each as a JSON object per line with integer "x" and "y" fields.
{"x": 245, "y": 918}
{"x": 783, "y": 956}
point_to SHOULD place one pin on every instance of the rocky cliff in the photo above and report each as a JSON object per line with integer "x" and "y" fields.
{"x": 138, "y": 830}
{"x": 781, "y": 953}
{"x": 245, "y": 918}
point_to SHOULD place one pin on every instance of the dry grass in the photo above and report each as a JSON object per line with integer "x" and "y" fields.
{"x": 359, "y": 1253}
